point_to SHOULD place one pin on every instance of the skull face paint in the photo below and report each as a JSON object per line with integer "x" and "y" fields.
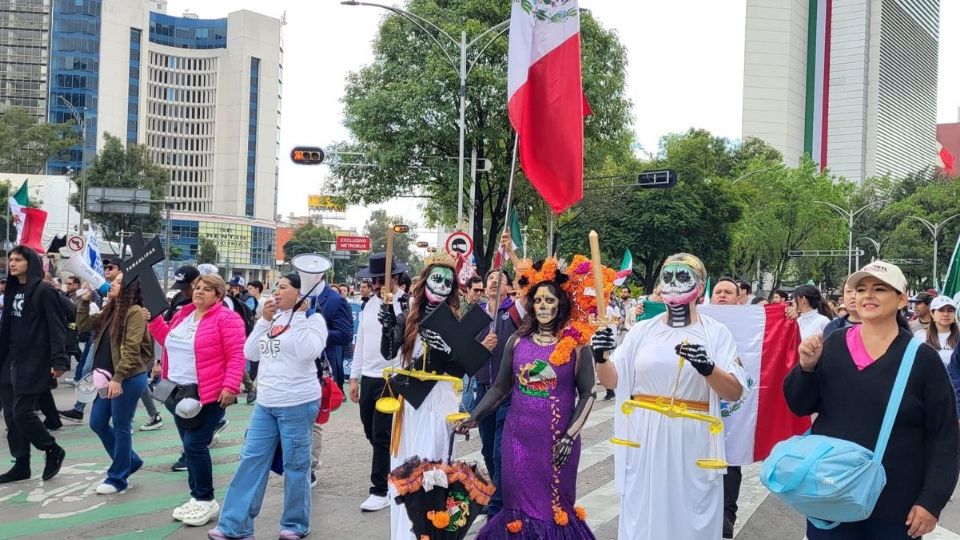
{"x": 679, "y": 284}
{"x": 545, "y": 307}
{"x": 439, "y": 284}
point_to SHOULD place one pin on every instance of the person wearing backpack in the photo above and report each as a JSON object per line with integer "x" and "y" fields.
{"x": 848, "y": 380}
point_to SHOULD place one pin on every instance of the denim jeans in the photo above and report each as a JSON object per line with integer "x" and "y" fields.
{"x": 84, "y": 366}
{"x": 488, "y": 431}
{"x": 110, "y": 419}
{"x": 196, "y": 449}
{"x": 496, "y": 501}
{"x": 292, "y": 427}
{"x": 82, "y": 361}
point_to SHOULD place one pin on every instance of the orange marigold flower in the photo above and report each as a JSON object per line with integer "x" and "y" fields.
{"x": 561, "y": 518}
{"x": 440, "y": 519}
{"x": 581, "y": 512}
{"x": 515, "y": 526}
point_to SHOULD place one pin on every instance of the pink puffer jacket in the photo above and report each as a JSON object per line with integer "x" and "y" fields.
{"x": 218, "y": 345}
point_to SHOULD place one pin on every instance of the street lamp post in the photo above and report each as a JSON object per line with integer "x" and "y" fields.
{"x": 877, "y": 244}
{"x": 934, "y": 229}
{"x": 751, "y": 173}
{"x": 82, "y": 124}
{"x": 851, "y": 216}
{"x": 462, "y": 68}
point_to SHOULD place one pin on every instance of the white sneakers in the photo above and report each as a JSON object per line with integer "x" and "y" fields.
{"x": 107, "y": 489}
{"x": 374, "y": 503}
{"x": 196, "y": 513}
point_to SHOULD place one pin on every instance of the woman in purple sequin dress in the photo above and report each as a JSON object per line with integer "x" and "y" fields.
{"x": 550, "y": 399}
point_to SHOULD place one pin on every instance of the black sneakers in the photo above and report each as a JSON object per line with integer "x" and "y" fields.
{"x": 72, "y": 414}
{"x": 54, "y": 460}
{"x": 610, "y": 396}
{"x": 180, "y": 465}
{"x": 20, "y": 471}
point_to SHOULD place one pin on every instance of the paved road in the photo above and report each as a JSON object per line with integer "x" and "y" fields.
{"x": 67, "y": 507}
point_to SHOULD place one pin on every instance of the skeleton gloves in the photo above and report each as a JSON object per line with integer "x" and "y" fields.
{"x": 697, "y": 356}
{"x": 603, "y": 341}
{"x": 434, "y": 340}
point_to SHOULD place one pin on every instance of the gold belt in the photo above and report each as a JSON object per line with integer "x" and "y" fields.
{"x": 701, "y": 406}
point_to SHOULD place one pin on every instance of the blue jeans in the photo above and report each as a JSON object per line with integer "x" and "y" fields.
{"x": 117, "y": 438}
{"x": 196, "y": 449}
{"x": 81, "y": 362}
{"x": 496, "y": 501}
{"x": 292, "y": 427}
{"x": 84, "y": 366}
{"x": 488, "y": 431}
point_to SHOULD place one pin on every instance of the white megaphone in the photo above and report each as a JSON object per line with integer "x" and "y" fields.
{"x": 310, "y": 267}
{"x": 78, "y": 266}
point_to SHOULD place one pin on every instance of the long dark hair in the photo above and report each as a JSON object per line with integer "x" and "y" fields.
{"x": 114, "y": 316}
{"x": 412, "y": 330}
{"x": 815, "y": 299}
{"x": 933, "y": 337}
{"x": 529, "y": 324}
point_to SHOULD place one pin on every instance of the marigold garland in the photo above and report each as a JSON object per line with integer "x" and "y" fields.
{"x": 561, "y": 518}
{"x": 440, "y": 518}
{"x": 515, "y": 526}
{"x": 581, "y": 512}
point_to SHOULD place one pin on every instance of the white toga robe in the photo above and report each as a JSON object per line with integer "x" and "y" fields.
{"x": 663, "y": 493}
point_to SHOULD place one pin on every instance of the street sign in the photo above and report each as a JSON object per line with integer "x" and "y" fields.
{"x": 353, "y": 243}
{"x": 326, "y": 202}
{"x": 459, "y": 243}
{"x": 76, "y": 243}
{"x": 824, "y": 253}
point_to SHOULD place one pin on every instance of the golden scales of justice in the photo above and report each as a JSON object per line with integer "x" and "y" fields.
{"x": 674, "y": 409}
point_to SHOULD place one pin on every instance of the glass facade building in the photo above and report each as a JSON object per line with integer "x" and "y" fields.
{"x": 74, "y": 76}
{"x": 252, "y": 134}
{"x": 187, "y": 33}
{"x": 237, "y": 243}
{"x": 133, "y": 91}
{"x": 24, "y": 54}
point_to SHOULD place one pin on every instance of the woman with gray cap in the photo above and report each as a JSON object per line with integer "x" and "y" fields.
{"x": 847, "y": 380}
{"x": 201, "y": 371}
{"x": 285, "y": 341}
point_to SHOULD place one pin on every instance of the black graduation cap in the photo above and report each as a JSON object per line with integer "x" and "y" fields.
{"x": 461, "y": 334}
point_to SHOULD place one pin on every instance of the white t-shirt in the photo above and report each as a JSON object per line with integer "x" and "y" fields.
{"x": 182, "y": 352}
{"x": 288, "y": 371}
{"x": 811, "y": 323}
{"x": 945, "y": 352}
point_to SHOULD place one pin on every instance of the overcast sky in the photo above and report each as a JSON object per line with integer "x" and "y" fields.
{"x": 694, "y": 47}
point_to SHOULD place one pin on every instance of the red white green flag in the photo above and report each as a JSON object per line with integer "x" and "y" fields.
{"x": 29, "y": 221}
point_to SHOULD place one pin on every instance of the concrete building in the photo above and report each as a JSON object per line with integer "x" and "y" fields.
{"x": 24, "y": 55}
{"x": 853, "y": 83}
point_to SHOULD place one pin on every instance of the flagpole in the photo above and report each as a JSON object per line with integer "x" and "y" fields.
{"x": 549, "y": 232}
{"x": 506, "y": 223}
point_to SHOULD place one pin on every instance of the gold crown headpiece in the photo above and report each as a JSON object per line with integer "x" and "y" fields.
{"x": 441, "y": 258}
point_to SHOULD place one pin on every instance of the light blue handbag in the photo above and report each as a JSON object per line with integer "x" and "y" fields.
{"x": 829, "y": 480}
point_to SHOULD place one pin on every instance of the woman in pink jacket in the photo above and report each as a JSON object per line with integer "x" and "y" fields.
{"x": 203, "y": 364}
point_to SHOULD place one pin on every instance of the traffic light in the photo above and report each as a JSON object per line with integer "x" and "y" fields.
{"x": 401, "y": 229}
{"x": 307, "y": 155}
{"x": 657, "y": 179}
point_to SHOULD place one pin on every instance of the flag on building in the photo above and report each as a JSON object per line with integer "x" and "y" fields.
{"x": 946, "y": 161}
{"x": 545, "y": 97}
{"x": 29, "y": 221}
{"x": 767, "y": 344}
{"x": 626, "y": 268}
{"x": 819, "y": 28}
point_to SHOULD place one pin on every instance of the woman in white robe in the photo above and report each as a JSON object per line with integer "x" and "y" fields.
{"x": 663, "y": 492}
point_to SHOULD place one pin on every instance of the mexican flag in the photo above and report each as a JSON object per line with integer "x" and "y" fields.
{"x": 767, "y": 344}
{"x": 29, "y": 221}
{"x": 951, "y": 285}
{"x": 545, "y": 98}
{"x": 516, "y": 238}
{"x": 946, "y": 161}
{"x": 626, "y": 268}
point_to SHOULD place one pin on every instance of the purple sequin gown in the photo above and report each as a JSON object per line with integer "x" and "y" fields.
{"x": 542, "y": 401}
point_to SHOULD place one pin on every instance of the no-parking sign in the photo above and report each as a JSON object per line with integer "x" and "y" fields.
{"x": 76, "y": 243}
{"x": 459, "y": 243}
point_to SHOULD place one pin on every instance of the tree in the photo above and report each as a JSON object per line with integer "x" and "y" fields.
{"x": 376, "y": 228}
{"x": 119, "y": 167}
{"x": 308, "y": 238}
{"x": 26, "y": 145}
{"x": 207, "y": 252}
{"x": 402, "y": 114}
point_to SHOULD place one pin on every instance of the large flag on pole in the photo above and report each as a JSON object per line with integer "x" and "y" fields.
{"x": 29, "y": 221}
{"x": 545, "y": 97}
{"x": 946, "y": 161}
{"x": 951, "y": 285}
{"x": 767, "y": 345}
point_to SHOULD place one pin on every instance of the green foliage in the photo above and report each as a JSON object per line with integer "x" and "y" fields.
{"x": 26, "y": 145}
{"x": 207, "y": 252}
{"x": 376, "y": 228}
{"x": 308, "y": 238}
{"x": 402, "y": 112}
{"x": 124, "y": 167}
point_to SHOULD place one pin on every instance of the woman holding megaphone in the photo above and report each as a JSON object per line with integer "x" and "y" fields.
{"x": 122, "y": 351}
{"x": 202, "y": 367}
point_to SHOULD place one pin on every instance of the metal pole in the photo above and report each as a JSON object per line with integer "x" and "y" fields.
{"x": 166, "y": 260}
{"x": 473, "y": 186}
{"x": 936, "y": 245}
{"x": 549, "y": 232}
{"x": 850, "y": 246}
{"x": 513, "y": 173}
{"x": 463, "y": 107}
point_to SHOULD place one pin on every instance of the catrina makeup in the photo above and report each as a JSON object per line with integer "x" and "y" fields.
{"x": 545, "y": 307}
{"x": 439, "y": 284}
{"x": 679, "y": 287}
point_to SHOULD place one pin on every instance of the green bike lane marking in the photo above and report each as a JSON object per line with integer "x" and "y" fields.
{"x": 154, "y": 532}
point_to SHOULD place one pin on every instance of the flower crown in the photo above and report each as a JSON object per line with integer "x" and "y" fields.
{"x": 440, "y": 258}
{"x": 532, "y": 273}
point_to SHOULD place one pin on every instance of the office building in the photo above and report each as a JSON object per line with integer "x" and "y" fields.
{"x": 852, "y": 83}
{"x": 24, "y": 55}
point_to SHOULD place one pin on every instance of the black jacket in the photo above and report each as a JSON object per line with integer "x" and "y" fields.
{"x": 30, "y": 347}
{"x": 70, "y": 314}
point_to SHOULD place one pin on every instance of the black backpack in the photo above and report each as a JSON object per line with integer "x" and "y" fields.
{"x": 248, "y": 315}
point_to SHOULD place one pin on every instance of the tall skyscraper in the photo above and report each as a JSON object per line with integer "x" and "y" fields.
{"x": 852, "y": 83}
{"x": 24, "y": 55}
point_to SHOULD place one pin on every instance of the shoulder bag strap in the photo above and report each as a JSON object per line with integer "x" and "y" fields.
{"x": 896, "y": 395}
